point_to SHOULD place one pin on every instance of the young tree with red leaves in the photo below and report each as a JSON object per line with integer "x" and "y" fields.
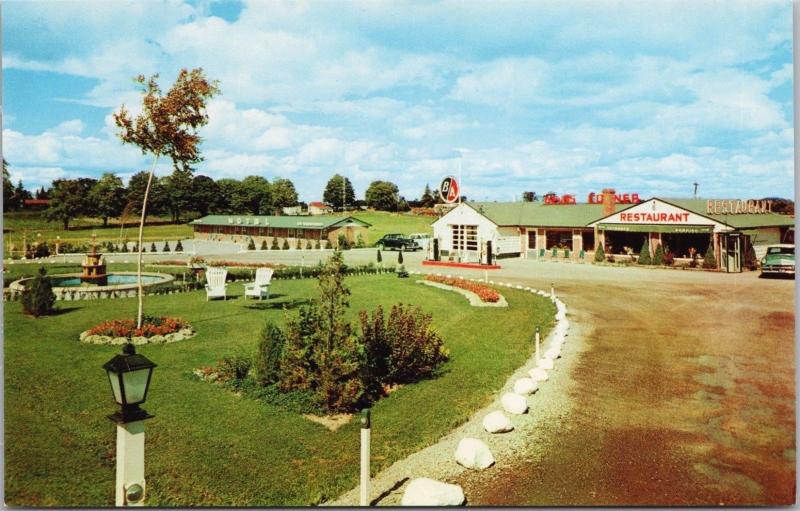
{"x": 167, "y": 126}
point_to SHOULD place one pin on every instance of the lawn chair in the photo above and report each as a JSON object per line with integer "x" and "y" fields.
{"x": 215, "y": 283}
{"x": 260, "y": 287}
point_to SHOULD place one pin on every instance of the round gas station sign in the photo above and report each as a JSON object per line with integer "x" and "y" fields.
{"x": 448, "y": 190}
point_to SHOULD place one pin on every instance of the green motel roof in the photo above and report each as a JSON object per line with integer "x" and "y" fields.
{"x": 538, "y": 214}
{"x": 281, "y": 222}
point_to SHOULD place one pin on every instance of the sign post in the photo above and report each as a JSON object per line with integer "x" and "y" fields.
{"x": 365, "y": 439}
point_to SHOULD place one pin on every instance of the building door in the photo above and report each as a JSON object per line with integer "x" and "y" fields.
{"x": 731, "y": 252}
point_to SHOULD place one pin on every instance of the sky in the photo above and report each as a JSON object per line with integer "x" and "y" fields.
{"x": 562, "y": 96}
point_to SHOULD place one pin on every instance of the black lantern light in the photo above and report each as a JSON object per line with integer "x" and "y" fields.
{"x": 129, "y": 375}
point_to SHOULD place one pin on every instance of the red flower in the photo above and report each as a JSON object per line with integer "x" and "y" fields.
{"x": 486, "y": 294}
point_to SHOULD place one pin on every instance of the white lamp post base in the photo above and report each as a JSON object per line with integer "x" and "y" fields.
{"x": 130, "y": 464}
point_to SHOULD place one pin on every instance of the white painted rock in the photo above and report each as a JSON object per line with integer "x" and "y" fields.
{"x": 560, "y": 316}
{"x": 538, "y": 374}
{"x": 553, "y": 353}
{"x": 524, "y": 386}
{"x": 545, "y": 363}
{"x": 514, "y": 403}
{"x": 541, "y": 293}
{"x": 497, "y": 422}
{"x": 474, "y": 454}
{"x": 429, "y": 492}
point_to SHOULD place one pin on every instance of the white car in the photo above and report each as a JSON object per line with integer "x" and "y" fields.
{"x": 422, "y": 239}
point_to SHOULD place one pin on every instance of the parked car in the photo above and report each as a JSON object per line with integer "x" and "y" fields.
{"x": 397, "y": 242}
{"x": 423, "y": 239}
{"x": 778, "y": 261}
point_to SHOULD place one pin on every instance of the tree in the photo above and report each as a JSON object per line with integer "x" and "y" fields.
{"x": 20, "y": 194}
{"x": 334, "y": 195}
{"x": 178, "y": 188}
{"x": 256, "y": 195}
{"x": 529, "y": 196}
{"x": 710, "y": 259}
{"x": 428, "y": 200}
{"x": 283, "y": 193}
{"x": 8, "y": 189}
{"x": 231, "y": 196}
{"x": 38, "y": 298}
{"x": 599, "y": 254}
{"x": 658, "y": 256}
{"x": 383, "y": 196}
{"x": 644, "y": 253}
{"x": 157, "y": 202}
{"x": 206, "y": 195}
{"x": 166, "y": 127}
{"x": 69, "y": 200}
{"x": 108, "y": 197}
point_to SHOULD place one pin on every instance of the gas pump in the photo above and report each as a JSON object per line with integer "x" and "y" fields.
{"x": 489, "y": 252}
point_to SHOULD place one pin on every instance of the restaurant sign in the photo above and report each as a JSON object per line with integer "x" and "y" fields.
{"x": 619, "y": 198}
{"x": 738, "y": 207}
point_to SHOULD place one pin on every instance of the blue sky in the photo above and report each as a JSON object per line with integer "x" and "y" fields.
{"x": 571, "y": 97}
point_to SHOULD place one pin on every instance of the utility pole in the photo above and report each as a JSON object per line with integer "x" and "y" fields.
{"x": 344, "y": 195}
{"x": 695, "y": 190}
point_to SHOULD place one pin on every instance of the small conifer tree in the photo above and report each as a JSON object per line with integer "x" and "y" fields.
{"x": 166, "y": 247}
{"x": 285, "y": 244}
{"x": 299, "y": 245}
{"x": 275, "y": 243}
{"x": 124, "y": 247}
{"x": 710, "y": 260}
{"x": 251, "y": 245}
{"x": 264, "y": 245}
{"x": 599, "y": 254}
{"x": 379, "y": 257}
{"x": 153, "y": 247}
{"x": 179, "y": 246}
{"x": 38, "y": 298}
{"x": 308, "y": 245}
{"x": 644, "y": 254}
{"x": 658, "y": 257}
{"x": 400, "y": 257}
{"x": 318, "y": 245}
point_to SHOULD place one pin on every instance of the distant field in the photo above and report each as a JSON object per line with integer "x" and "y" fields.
{"x": 81, "y": 229}
{"x": 159, "y": 229}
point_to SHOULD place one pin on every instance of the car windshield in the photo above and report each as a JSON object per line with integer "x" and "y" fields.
{"x": 781, "y": 250}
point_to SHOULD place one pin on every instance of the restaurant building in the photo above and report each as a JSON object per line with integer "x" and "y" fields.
{"x": 681, "y": 226}
{"x": 241, "y": 228}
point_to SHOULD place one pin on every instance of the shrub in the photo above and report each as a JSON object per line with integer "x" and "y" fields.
{"x": 377, "y": 351}
{"x": 308, "y": 245}
{"x": 135, "y": 247}
{"x": 554, "y": 253}
{"x": 38, "y": 298}
{"x": 360, "y": 242}
{"x": 658, "y": 256}
{"x": 299, "y": 245}
{"x": 274, "y": 243}
{"x": 669, "y": 258}
{"x": 710, "y": 260}
{"x": 264, "y": 245}
{"x": 285, "y": 244}
{"x": 318, "y": 245}
{"x": 266, "y": 363}
{"x": 166, "y": 247}
{"x": 644, "y": 254}
{"x": 610, "y": 258}
{"x": 401, "y": 272}
{"x": 179, "y": 246}
{"x": 379, "y": 257}
{"x": 599, "y": 254}
{"x": 342, "y": 242}
{"x": 251, "y": 245}
{"x": 153, "y": 247}
{"x": 144, "y": 249}
{"x": 416, "y": 348}
{"x": 41, "y": 250}
{"x": 151, "y": 325}
{"x": 124, "y": 246}
{"x": 233, "y": 368}
{"x": 400, "y": 257}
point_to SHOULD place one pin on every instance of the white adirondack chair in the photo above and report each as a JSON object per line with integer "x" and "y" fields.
{"x": 260, "y": 287}
{"x": 215, "y": 282}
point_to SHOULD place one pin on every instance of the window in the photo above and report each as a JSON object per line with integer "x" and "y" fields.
{"x": 531, "y": 240}
{"x": 465, "y": 237}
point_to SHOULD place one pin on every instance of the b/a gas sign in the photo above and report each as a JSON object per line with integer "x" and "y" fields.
{"x": 449, "y": 190}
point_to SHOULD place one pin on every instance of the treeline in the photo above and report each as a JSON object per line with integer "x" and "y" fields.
{"x": 182, "y": 195}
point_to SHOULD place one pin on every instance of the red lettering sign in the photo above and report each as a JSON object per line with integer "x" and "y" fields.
{"x": 654, "y": 217}
{"x": 624, "y": 198}
{"x": 552, "y": 198}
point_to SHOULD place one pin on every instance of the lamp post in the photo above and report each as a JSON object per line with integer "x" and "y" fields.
{"x": 129, "y": 375}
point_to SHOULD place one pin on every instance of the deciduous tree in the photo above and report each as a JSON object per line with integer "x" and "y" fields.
{"x": 108, "y": 197}
{"x": 339, "y": 196}
{"x": 383, "y": 196}
{"x": 283, "y": 193}
{"x": 167, "y": 126}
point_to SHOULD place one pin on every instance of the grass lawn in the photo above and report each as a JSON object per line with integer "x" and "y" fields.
{"x": 385, "y": 223}
{"x": 207, "y": 446}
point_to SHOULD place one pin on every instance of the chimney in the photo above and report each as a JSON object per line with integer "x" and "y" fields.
{"x": 609, "y": 202}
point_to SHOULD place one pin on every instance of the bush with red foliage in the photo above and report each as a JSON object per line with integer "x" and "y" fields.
{"x": 486, "y": 294}
{"x": 151, "y": 326}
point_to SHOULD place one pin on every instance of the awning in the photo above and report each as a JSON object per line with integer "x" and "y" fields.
{"x": 677, "y": 229}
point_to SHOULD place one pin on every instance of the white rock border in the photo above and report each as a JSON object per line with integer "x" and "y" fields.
{"x": 474, "y": 300}
{"x": 183, "y": 334}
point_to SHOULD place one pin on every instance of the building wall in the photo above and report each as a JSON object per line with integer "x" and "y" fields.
{"x": 465, "y": 215}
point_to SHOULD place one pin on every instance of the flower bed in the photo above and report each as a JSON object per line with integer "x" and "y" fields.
{"x": 157, "y": 330}
{"x": 486, "y": 294}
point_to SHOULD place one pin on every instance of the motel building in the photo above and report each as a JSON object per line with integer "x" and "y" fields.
{"x": 241, "y": 228}
{"x": 622, "y": 223}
